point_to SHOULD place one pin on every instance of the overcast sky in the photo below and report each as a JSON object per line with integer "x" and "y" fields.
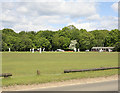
{"x": 35, "y": 16}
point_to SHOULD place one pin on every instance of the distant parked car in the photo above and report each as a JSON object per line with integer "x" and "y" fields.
{"x": 60, "y": 50}
{"x": 87, "y": 50}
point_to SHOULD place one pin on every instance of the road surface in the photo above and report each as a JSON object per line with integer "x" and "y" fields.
{"x": 99, "y": 86}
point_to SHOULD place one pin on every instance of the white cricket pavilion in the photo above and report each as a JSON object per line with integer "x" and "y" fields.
{"x": 102, "y": 48}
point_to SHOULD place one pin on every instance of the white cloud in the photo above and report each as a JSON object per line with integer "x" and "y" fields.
{"x": 47, "y": 14}
{"x": 44, "y": 13}
{"x": 8, "y": 17}
{"x": 59, "y": 0}
{"x": 107, "y": 22}
{"x": 22, "y": 9}
{"x": 31, "y": 27}
{"x": 87, "y": 25}
{"x": 94, "y": 17}
{"x": 51, "y": 20}
{"x": 115, "y": 7}
{"x": 72, "y": 9}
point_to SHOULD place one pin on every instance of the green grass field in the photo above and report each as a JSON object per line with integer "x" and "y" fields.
{"x": 24, "y": 66}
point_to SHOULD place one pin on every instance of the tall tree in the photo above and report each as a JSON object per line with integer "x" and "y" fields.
{"x": 100, "y": 37}
{"x": 112, "y": 38}
{"x": 42, "y": 43}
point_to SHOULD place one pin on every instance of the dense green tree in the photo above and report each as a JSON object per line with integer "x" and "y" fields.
{"x": 117, "y": 46}
{"x": 22, "y": 33}
{"x": 55, "y": 41}
{"x": 4, "y": 46}
{"x": 70, "y": 31}
{"x": 9, "y": 32}
{"x": 25, "y": 43}
{"x": 52, "y": 40}
{"x": 86, "y": 41}
{"x": 31, "y": 34}
{"x": 45, "y": 34}
{"x": 100, "y": 37}
{"x": 42, "y": 43}
{"x": 60, "y": 42}
{"x": 64, "y": 42}
{"x": 112, "y": 37}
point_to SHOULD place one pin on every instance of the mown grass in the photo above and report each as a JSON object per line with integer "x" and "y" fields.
{"x": 24, "y": 66}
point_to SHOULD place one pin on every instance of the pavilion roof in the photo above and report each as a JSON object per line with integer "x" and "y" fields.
{"x": 102, "y": 47}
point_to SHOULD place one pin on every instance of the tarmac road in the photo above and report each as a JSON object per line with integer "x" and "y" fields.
{"x": 99, "y": 86}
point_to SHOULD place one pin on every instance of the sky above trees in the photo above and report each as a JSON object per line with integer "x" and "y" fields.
{"x": 54, "y": 15}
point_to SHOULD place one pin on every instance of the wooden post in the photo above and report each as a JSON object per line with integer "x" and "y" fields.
{"x": 38, "y": 72}
{"x": 94, "y": 69}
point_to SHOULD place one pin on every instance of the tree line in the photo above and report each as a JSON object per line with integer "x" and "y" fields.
{"x": 52, "y": 40}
